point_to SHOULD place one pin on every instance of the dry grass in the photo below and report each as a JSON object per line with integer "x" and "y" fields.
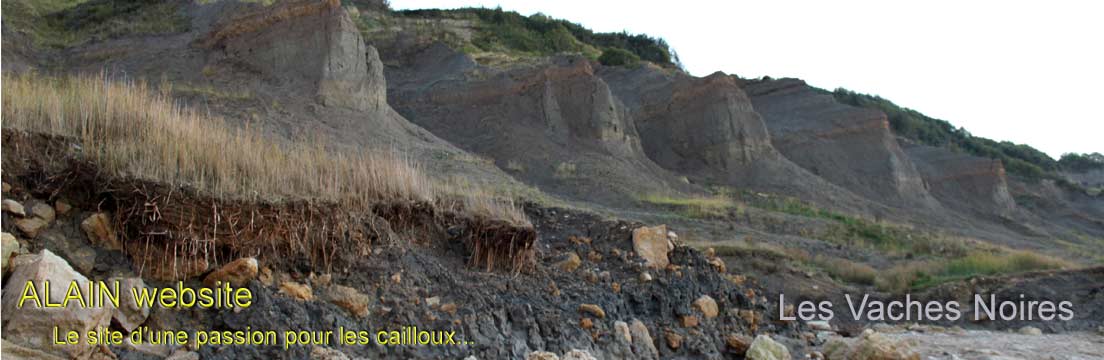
{"x": 696, "y": 206}
{"x": 132, "y": 131}
{"x": 923, "y": 274}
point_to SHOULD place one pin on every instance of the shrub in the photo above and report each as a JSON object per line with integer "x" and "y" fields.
{"x": 618, "y": 57}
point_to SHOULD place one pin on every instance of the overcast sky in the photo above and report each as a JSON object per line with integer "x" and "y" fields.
{"x": 1027, "y": 72}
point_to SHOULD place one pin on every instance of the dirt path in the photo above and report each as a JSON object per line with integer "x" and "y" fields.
{"x": 989, "y": 345}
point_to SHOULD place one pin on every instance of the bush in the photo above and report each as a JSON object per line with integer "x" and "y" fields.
{"x": 618, "y": 57}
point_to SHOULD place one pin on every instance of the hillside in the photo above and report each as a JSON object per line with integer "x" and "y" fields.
{"x": 538, "y": 188}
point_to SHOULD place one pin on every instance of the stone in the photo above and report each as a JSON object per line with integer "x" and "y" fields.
{"x": 738, "y": 344}
{"x": 819, "y": 325}
{"x": 651, "y": 243}
{"x": 621, "y": 328}
{"x": 449, "y": 308}
{"x": 31, "y": 226}
{"x": 593, "y": 310}
{"x": 590, "y": 277}
{"x": 9, "y": 246}
{"x": 674, "y": 340}
{"x": 44, "y": 212}
{"x": 643, "y": 345}
{"x": 1030, "y": 330}
{"x": 688, "y": 321}
{"x": 129, "y": 315}
{"x": 577, "y": 354}
{"x": 183, "y": 354}
{"x": 297, "y": 291}
{"x": 433, "y": 302}
{"x": 541, "y": 355}
{"x": 237, "y": 273}
{"x": 321, "y": 280}
{"x": 100, "y": 232}
{"x": 396, "y": 277}
{"x": 265, "y": 276}
{"x": 570, "y": 263}
{"x": 718, "y": 264}
{"x": 28, "y": 326}
{"x": 6, "y": 187}
{"x": 62, "y": 207}
{"x": 586, "y": 323}
{"x": 17, "y": 352}
{"x": 645, "y": 277}
{"x": 327, "y": 353}
{"x": 707, "y": 306}
{"x": 14, "y": 207}
{"x": 871, "y": 345}
{"x": 764, "y": 348}
{"x": 80, "y": 255}
{"x": 348, "y": 298}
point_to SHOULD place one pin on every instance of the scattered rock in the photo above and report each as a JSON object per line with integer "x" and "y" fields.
{"x": 396, "y": 278}
{"x": 297, "y": 291}
{"x": 590, "y": 277}
{"x": 432, "y": 302}
{"x": 718, "y": 264}
{"x": 594, "y": 256}
{"x": 31, "y": 226}
{"x": 738, "y": 344}
{"x": 14, "y": 207}
{"x": 616, "y": 287}
{"x": 44, "y": 212}
{"x": 622, "y": 329}
{"x": 349, "y": 299}
{"x": 578, "y": 355}
{"x": 586, "y": 323}
{"x": 62, "y": 207}
{"x": 326, "y": 353}
{"x": 593, "y": 310}
{"x": 9, "y": 247}
{"x": 449, "y": 308}
{"x": 688, "y": 321}
{"x": 643, "y": 345}
{"x": 570, "y": 263}
{"x": 27, "y": 325}
{"x": 238, "y": 273}
{"x": 763, "y": 348}
{"x": 541, "y": 355}
{"x": 1030, "y": 330}
{"x": 652, "y": 244}
{"x": 129, "y": 315}
{"x": 645, "y": 277}
{"x": 674, "y": 340}
{"x": 871, "y": 345}
{"x": 182, "y": 354}
{"x": 819, "y": 325}
{"x": 100, "y": 232}
{"x": 707, "y": 306}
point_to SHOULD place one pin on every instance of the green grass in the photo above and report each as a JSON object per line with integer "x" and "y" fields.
{"x": 697, "y": 206}
{"x": 925, "y": 274}
{"x": 64, "y": 23}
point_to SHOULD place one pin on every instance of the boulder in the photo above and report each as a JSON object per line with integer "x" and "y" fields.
{"x": 578, "y": 355}
{"x": 622, "y": 329}
{"x": 652, "y": 244}
{"x": 570, "y": 263}
{"x": 870, "y": 345}
{"x": 688, "y": 321}
{"x": 643, "y": 345}
{"x": 349, "y": 299}
{"x": 44, "y": 212}
{"x": 707, "y": 306}
{"x": 763, "y": 348}
{"x": 12, "y": 206}
{"x": 738, "y": 344}
{"x": 593, "y": 310}
{"x": 15, "y": 351}
{"x": 541, "y": 355}
{"x": 297, "y": 291}
{"x": 9, "y": 247}
{"x": 129, "y": 315}
{"x": 29, "y": 325}
{"x": 31, "y": 226}
{"x": 100, "y": 232}
{"x": 238, "y": 273}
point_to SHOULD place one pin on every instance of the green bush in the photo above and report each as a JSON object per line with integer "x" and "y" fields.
{"x": 618, "y": 57}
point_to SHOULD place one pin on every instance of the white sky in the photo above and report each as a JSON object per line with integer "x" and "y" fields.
{"x": 1027, "y": 72}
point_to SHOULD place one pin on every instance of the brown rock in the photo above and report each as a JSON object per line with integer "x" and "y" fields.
{"x": 651, "y": 243}
{"x": 449, "y": 308}
{"x": 44, "y": 212}
{"x": 14, "y": 207}
{"x": 297, "y": 291}
{"x": 62, "y": 207}
{"x": 674, "y": 340}
{"x": 100, "y": 231}
{"x": 31, "y": 226}
{"x": 707, "y": 306}
{"x": 688, "y": 321}
{"x": 586, "y": 323}
{"x": 593, "y": 310}
{"x": 594, "y": 256}
{"x": 738, "y": 344}
{"x": 541, "y": 355}
{"x": 6, "y": 187}
{"x": 349, "y": 299}
{"x": 321, "y": 280}
{"x": 396, "y": 277}
{"x": 718, "y": 264}
{"x": 642, "y": 345}
{"x": 238, "y": 273}
{"x": 870, "y": 345}
{"x": 570, "y": 263}
{"x": 616, "y": 287}
{"x": 265, "y": 276}
{"x": 10, "y": 246}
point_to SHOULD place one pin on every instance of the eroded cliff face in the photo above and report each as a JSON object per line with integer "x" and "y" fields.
{"x": 848, "y": 146}
{"x": 964, "y": 182}
{"x": 307, "y": 44}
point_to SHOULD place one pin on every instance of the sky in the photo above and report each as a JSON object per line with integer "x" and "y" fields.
{"x": 1026, "y": 72}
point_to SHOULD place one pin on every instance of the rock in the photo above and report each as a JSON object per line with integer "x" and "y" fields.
{"x": 643, "y": 345}
{"x": 621, "y": 328}
{"x": 297, "y": 291}
{"x": 578, "y": 355}
{"x": 645, "y": 277}
{"x": 100, "y": 232}
{"x": 238, "y": 273}
{"x": 707, "y": 306}
{"x": 541, "y": 355}
{"x": 80, "y": 255}
{"x": 396, "y": 278}
{"x": 586, "y": 323}
{"x": 129, "y": 315}
{"x": 44, "y": 212}
{"x": 326, "y": 353}
{"x": 265, "y": 276}
{"x": 449, "y": 308}
{"x": 718, "y": 264}
{"x": 593, "y": 310}
{"x": 157, "y": 351}
{"x": 29, "y": 325}
{"x": 432, "y": 302}
{"x": 182, "y": 354}
{"x": 651, "y": 243}
{"x": 31, "y": 226}
{"x": 688, "y": 321}
{"x": 8, "y": 246}
{"x": 1030, "y": 330}
{"x": 738, "y": 344}
{"x": 62, "y": 207}
{"x": 18, "y": 352}
{"x": 763, "y": 348}
{"x": 819, "y": 325}
{"x": 870, "y": 345}
{"x": 6, "y": 187}
{"x": 14, "y": 207}
{"x": 321, "y": 280}
{"x": 674, "y": 340}
{"x": 349, "y": 299}
{"x": 570, "y": 263}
